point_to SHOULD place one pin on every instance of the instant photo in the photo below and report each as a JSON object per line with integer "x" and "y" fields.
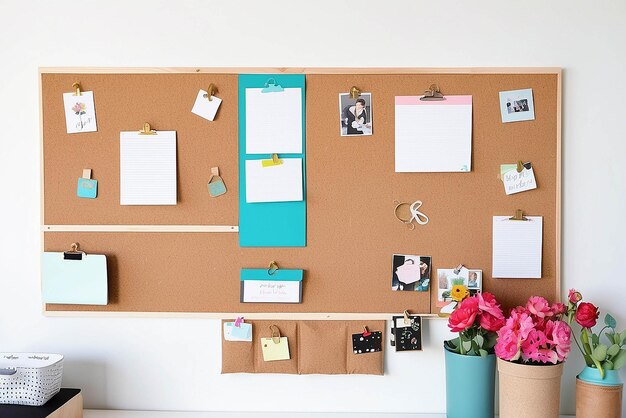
{"x": 411, "y": 273}
{"x": 517, "y": 105}
{"x": 355, "y": 115}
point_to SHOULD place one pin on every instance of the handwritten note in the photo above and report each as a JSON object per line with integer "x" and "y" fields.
{"x": 516, "y": 182}
{"x": 281, "y": 286}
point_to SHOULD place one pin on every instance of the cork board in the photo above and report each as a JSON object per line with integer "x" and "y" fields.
{"x": 351, "y": 186}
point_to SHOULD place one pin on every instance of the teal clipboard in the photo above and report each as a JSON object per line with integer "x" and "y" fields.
{"x": 275, "y": 224}
{"x": 72, "y": 281}
{"x": 281, "y": 275}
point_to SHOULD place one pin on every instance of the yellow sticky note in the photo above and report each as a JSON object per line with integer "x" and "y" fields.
{"x": 273, "y": 351}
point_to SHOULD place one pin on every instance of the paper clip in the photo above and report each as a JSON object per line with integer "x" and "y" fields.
{"x": 74, "y": 253}
{"x": 274, "y": 161}
{"x": 147, "y": 130}
{"x": 519, "y": 216}
{"x": 210, "y": 92}
{"x": 354, "y": 92}
{"x": 275, "y": 334}
{"x": 272, "y": 87}
{"x": 77, "y": 87}
{"x": 273, "y": 268}
{"x": 432, "y": 94}
{"x": 366, "y": 332}
{"x": 407, "y": 319}
{"x": 458, "y": 269}
{"x": 416, "y": 215}
{"x": 239, "y": 321}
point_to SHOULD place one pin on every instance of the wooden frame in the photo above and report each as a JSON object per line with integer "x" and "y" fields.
{"x": 234, "y": 228}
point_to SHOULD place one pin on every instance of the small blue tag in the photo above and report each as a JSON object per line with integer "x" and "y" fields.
{"x": 87, "y": 188}
{"x": 243, "y": 331}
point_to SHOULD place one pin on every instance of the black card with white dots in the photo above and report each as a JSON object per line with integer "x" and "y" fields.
{"x": 369, "y": 342}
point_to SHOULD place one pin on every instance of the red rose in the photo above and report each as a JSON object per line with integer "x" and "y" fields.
{"x": 491, "y": 322}
{"x": 587, "y": 315}
{"x": 464, "y": 316}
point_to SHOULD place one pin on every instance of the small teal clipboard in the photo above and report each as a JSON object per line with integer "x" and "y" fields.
{"x": 79, "y": 282}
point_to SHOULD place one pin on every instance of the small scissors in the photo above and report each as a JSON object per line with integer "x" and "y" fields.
{"x": 416, "y": 215}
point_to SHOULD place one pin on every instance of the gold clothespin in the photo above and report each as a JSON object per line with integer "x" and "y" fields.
{"x": 366, "y": 332}
{"x": 77, "y": 87}
{"x": 147, "y": 130}
{"x": 274, "y": 161}
{"x": 519, "y": 216}
{"x": 210, "y": 91}
{"x": 354, "y": 92}
{"x": 87, "y": 173}
{"x": 520, "y": 166}
{"x": 432, "y": 94}
{"x": 407, "y": 319}
{"x": 273, "y": 268}
{"x": 275, "y": 334}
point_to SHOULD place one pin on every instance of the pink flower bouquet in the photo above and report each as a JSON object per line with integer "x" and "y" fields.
{"x": 476, "y": 319}
{"x": 535, "y": 334}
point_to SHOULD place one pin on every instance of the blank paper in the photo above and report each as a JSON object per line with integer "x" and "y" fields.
{"x": 148, "y": 168}
{"x": 277, "y": 183}
{"x": 433, "y": 136}
{"x": 274, "y": 122}
{"x": 517, "y": 247}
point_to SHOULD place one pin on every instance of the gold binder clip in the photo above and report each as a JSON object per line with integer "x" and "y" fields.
{"x": 354, "y": 92}
{"x": 274, "y": 161}
{"x": 519, "y": 216}
{"x": 407, "y": 318}
{"x": 147, "y": 130}
{"x": 273, "y": 268}
{"x": 275, "y": 334}
{"x": 210, "y": 92}
{"x": 74, "y": 253}
{"x": 520, "y": 166}
{"x": 432, "y": 94}
{"x": 77, "y": 87}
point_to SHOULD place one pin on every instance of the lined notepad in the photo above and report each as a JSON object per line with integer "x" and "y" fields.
{"x": 517, "y": 247}
{"x": 274, "y": 121}
{"x": 148, "y": 168}
{"x": 433, "y": 136}
{"x": 277, "y": 183}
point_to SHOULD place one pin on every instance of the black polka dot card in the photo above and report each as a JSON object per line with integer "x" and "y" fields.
{"x": 407, "y": 333}
{"x": 367, "y": 342}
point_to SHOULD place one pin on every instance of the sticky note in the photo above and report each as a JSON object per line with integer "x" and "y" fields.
{"x": 87, "y": 188}
{"x": 273, "y": 351}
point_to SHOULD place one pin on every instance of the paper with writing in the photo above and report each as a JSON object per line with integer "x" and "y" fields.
{"x": 515, "y": 182}
{"x": 517, "y": 247}
{"x": 80, "y": 112}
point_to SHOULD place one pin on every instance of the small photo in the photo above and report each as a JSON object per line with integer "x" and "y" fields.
{"x": 411, "y": 272}
{"x": 446, "y": 279}
{"x": 355, "y": 115}
{"x": 517, "y": 105}
{"x": 475, "y": 279}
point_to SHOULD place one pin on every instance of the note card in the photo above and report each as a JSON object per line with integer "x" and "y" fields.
{"x": 282, "y": 286}
{"x": 275, "y": 350}
{"x": 274, "y": 183}
{"x": 274, "y": 121}
{"x": 517, "y": 247}
{"x": 204, "y": 107}
{"x": 433, "y": 136}
{"x": 516, "y": 182}
{"x": 80, "y": 112}
{"x": 75, "y": 281}
{"x": 148, "y": 168}
{"x": 241, "y": 333}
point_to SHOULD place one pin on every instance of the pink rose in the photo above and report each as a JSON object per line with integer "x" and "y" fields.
{"x": 561, "y": 338}
{"x": 487, "y": 303}
{"x": 507, "y": 346}
{"x": 539, "y": 307}
{"x": 491, "y": 322}
{"x": 587, "y": 315}
{"x": 558, "y": 308}
{"x": 544, "y": 355}
{"x": 520, "y": 323}
{"x": 464, "y": 316}
{"x": 574, "y": 296}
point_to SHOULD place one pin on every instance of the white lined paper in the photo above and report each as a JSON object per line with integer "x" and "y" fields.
{"x": 517, "y": 247}
{"x": 277, "y": 183}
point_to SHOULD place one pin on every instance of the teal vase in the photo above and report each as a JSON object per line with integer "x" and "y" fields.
{"x": 592, "y": 375}
{"x": 470, "y": 385}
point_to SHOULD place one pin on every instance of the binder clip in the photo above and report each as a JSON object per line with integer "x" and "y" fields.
{"x": 147, "y": 130}
{"x": 216, "y": 183}
{"x": 354, "y": 92}
{"x": 74, "y": 253}
{"x": 77, "y": 87}
{"x": 274, "y": 161}
{"x": 432, "y": 94}
{"x": 273, "y": 268}
{"x": 210, "y": 92}
{"x": 272, "y": 87}
{"x": 519, "y": 216}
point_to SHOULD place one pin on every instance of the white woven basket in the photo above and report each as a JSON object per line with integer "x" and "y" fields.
{"x": 29, "y": 378}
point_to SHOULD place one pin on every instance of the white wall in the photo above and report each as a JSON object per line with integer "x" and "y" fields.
{"x": 174, "y": 363}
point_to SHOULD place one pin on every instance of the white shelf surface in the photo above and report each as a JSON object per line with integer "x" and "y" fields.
{"x": 94, "y": 413}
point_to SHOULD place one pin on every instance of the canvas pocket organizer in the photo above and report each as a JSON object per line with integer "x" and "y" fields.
{"x": 315, "y": 347}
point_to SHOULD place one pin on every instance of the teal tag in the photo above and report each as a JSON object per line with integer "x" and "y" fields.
{"x": 217, "y": 187}
{"x": 87, "y": 188}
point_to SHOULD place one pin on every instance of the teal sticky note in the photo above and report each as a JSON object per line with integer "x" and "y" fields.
{"x": 243, "y": 331}
{"x": 87, "y": 188}
{"x": 81, "y": 282}
{"x": 270, "y": 224}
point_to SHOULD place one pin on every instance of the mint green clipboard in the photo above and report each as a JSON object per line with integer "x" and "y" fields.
{"x": 75, "y": 282}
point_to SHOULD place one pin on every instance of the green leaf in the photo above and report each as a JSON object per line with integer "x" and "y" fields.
{"x": 613, "y": 350}
{"x": 483, "y": 353}
{"x": 610, "y": 321}
{"x": 480, "y": 340}
{"x": 620, "y": 360}
{"x": 595, "y": 340}
{"x": 599, "y": 353}
{"x": 623, "y": 336}
{"x": 608, "y": 365}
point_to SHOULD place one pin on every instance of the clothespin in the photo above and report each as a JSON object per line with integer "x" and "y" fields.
{"x": 238, "y": 321}
{"x": 147, "y": 130}
{"x": 87, "y": 173}
{"x": 407, "y": 319}
{"x": 210, "y": 92}
{"x": 520, "y": 166}
{"x": 432, "y": 94}
{"x": 366, "y": 332}
{"x": 77, "y": 87}
{"x": 274, "y": 161}
{"x": 354, "y": 92}
{"x": 458, "y": 269}
{"x": 519, "y": 216}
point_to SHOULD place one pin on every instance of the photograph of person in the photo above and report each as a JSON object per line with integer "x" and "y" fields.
{"x": 474, "y": 280}
{"x": 355, "y": 114}
{"x": 411, "y": 273}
